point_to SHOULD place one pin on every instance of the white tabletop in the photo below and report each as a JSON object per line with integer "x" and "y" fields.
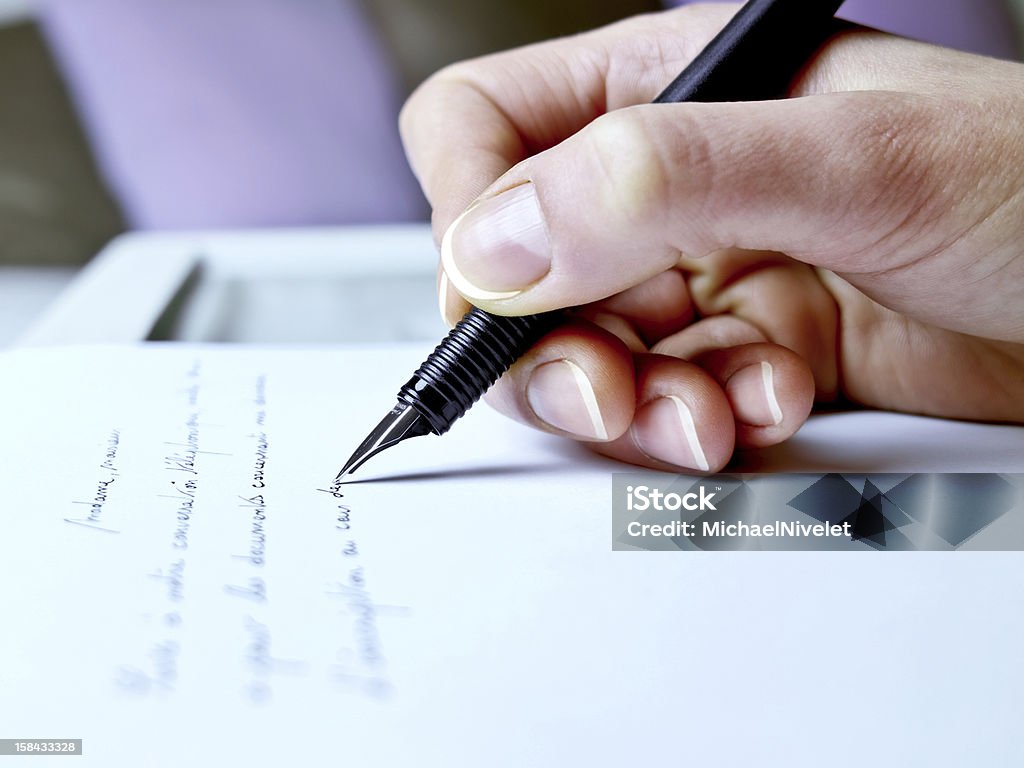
{"x": 314, "y": 286}
{"x": 25, "y": 293}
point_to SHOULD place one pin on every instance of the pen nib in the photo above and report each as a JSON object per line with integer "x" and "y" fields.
{"x": 400, "y": 424}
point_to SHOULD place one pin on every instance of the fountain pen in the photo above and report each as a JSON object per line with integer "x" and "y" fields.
{"x": 755, "y": 57}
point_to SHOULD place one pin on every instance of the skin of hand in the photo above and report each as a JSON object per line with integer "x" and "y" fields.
{"x": 731, "y": 264}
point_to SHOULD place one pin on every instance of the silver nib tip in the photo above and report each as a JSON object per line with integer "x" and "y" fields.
{"x": 400, "y": 424}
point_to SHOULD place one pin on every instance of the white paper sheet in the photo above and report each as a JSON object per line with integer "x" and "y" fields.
{"x": 175, "y": 590}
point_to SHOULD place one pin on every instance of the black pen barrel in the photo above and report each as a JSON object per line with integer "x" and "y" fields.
{"x": 758, "y": 53}
{"x": 474, "y": 354}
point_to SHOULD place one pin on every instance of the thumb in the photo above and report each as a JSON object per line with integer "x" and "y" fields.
{"x": 844, "y": 181}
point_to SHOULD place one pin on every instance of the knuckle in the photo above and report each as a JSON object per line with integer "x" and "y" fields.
{"x": 407, "y": 119}
{"x": 632, "y": 179}
{"x": 411, "y": 111}
{"x": 423, "y": 100}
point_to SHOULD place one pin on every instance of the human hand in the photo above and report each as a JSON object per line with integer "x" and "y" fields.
{"x": 732, "y": 263}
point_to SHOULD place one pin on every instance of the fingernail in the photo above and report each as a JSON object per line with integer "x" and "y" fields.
{"x": 562, "y": 396}
{"x": 499, "y": 246}
{"x": 751, "y": 392}
{"x": 664, "y": 430}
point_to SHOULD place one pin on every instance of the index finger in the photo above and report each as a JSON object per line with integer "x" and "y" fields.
{"x": 472, "y": 121}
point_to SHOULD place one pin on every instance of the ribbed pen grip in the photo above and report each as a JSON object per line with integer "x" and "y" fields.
{"x": 469, "y": 360}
